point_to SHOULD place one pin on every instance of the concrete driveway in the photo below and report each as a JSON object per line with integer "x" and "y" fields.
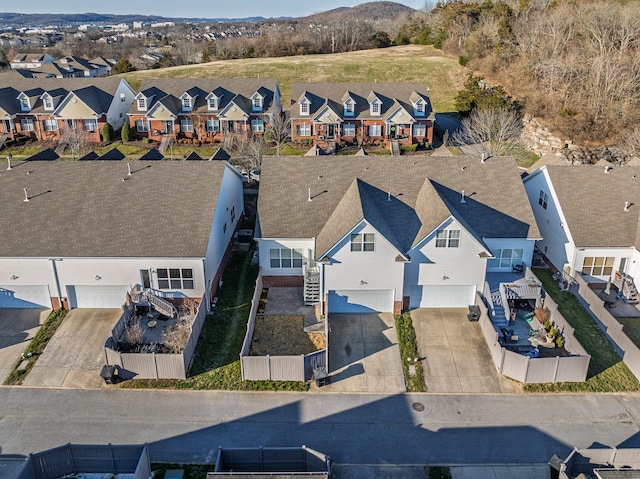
{"x": 364, "y": 354}
{"x": 17, "y": 328}
{"x": 75, "y": 355}
{"x": 457, "y": 359}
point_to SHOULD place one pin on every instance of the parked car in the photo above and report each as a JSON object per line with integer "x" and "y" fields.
{"x": 255, "y": 175}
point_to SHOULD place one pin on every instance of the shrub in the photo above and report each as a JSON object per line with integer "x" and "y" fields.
{"x": 543, "y": 315}
{"x": 559, "y": 341}
{"x": 125, "y": 133}
{"x": 146, "y": 140}
{"x": 411, "y": 147}
{"x": 107, "y": 132}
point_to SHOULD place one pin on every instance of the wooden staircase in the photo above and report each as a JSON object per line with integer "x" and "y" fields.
{"x": 139, "y": 295}
{"x": 395, "y": 148}
{"x": 627, "y": 287}
{"x": 311, "y": 286}
{"x": 164, "y": 144}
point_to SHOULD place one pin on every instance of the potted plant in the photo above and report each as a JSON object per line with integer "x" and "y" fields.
{"x": 551, "y": 334}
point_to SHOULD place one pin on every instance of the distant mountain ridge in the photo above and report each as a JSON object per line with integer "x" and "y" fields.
{"x": 371, "y": 10}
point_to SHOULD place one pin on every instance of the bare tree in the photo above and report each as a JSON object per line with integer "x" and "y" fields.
{"x": 632, "y": 142}
{"x": 279, "y": 129}
{"x": 491, "y": 131}
{"x": 77, "y": 140}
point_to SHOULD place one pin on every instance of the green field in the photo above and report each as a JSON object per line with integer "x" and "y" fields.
{"x": 407, "y": 63}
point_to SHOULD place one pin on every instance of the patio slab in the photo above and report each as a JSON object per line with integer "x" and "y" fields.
{"x": 291, "y": 301}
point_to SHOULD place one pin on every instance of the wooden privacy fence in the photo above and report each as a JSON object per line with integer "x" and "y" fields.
{"x": 627, "y": 349}
{"x": 275, "y": 368}
{"x": 536, "y": 370}
{"x": 154, "y": 365}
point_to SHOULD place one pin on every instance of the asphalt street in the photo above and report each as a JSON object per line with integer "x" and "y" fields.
{"x": 189, "y": 426}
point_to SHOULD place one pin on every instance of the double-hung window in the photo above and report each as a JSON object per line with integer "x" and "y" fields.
{"x": 304, "y": 130}
{"x": 447, "y": 238}
{"x": 349, "y": 130}
{"x": 90, "y": 125}
{"x": 50, "y": 125}
{"x": 506, "y": 258}
{"x": 257, "y": 125}
{"x": 419, "y": 130}
{"x": 175, "y": 278}
{"x": 375, "y": 130}
{"x": 213, "y": 126}
{"x": 186, "y": 126}
{"x": 543, "y": 199}
{"x": 142, "y": 126}
{"x": 285, "y": 258}
{"x": 363, "y": 242}
{"x": 26, "y": 124}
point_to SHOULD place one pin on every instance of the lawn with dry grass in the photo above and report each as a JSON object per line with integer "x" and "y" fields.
{"x": 405, "y": 63}
{"x": 283, "y": 335}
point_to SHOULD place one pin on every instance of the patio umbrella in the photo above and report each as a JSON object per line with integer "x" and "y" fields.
{"x": 607, "y": 289}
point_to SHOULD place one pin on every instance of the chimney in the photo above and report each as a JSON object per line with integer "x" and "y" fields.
{"x": 309, "y": 199}
{"x": 626, "y": 205}
{"x": 462, "y": 198}
{"x": 26, "y": 196}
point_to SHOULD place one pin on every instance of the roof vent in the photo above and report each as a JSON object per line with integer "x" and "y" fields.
{"x": 309, "y": 199}
{"x": 607, "y": 169}
{"x": 464, "y": 168}
{"x": 9, "y": 162}
{"x": 482, "y": 158}
{"x": 626, "y": 205}
{"x": 462, "y": 200}
{"x": 128, "y": 169}
{"x": 388, "y": 196}
{"x": 26, "y": 196}
{"x": 319, "y": 177}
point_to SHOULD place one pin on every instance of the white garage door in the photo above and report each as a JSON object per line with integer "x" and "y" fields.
{"x": 24, "y": 296}
{"x": 447, "y": 296}
{"x": 107, "y": 296}
{"x": 361, "y": 301}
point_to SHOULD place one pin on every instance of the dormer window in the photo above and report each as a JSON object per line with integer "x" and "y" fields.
{"x": 375, "y": 106}
{"x": 213, "y": 103}
{"x": 25, "y": 104}
{"x": 187, "y": 104}
{"x": 47, "y": 102}
{"x": 349, "y": 107}
{"x": 142, "y": 103}
{"x": 419, "y": 107}
{"x": 304, "y": 107}
{"x": 256, "y": 102}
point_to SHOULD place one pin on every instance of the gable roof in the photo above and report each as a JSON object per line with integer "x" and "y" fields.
{"x": 45, "y": 155}
{"x": 404, "y": 198}
{"x": 152, "y": 154}
{"x": 391, "y": 97}
{"x": 100, "y": 208}
{"x": 606, "y": 223}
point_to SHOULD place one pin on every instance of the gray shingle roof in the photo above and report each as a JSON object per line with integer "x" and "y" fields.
{"x": 85, "y": 209}
{"x": 405, "y": 198}
{"x": 391, "y": 95}
{"x": 593, "y": 203}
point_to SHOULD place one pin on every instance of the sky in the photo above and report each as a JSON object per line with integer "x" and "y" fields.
{"x": 193, "y": 8}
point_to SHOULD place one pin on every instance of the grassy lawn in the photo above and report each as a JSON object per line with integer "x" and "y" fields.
{"x": 125, "y": 149}
{"x": 408, "y": 352}
{"x": 191, "y": 471}
{"x": 407, "y": 63}
{"x": 36, "y": 347}
{"x": 216, "y": 364}
{"x": 631, "y": 327}
{"x": 607, "y": 372}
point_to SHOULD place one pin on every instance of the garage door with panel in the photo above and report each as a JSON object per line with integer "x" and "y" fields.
{"x": 24, "y": 296}
{"x": 92, "y": 296}
{"x": 447, "y": 296}
{"x": 361, "y": 301}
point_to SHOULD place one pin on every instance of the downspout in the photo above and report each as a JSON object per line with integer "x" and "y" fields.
{"x": 57, "y": 279}
{"x": 207, "y": 287}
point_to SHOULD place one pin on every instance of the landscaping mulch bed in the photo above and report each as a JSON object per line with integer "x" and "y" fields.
{"x": 283, "y": 335}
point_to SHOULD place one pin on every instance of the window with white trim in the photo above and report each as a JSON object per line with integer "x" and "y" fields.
{"x": 304, "y": 130}
{"x": 175, "y": 278}
{"x": 363, "y": 242}
{"x": 349, "y": 130}
{"x": 285, "y": 258}
{"x": 506, "y": 258}
{"x": 142, "y": 126}
{"x": 213, "y": 103}
{"x": 543, "y": 199}
{"x": 598, "y": 265}
{"x": 142, "y": 103}
{"x": 304, "y": 108}
{"x": 25, "y": 104}
{"x": 47, "y": 103}
{"x": 256, "y": 103}
{"x": 257, "y": 125}
{"x": 420, "y": 107}
{"x": 349, "y": 107}
{"x": 375, "y": 130}
{"x": 213, "y": 126}
{"x": 186, "y": 125}
{"x": 123, "y": 97}
{"x": 26, "y": 124}
{"x": 374, "y": 107}
{"x": 186, "y": 103}
{"x": 447, "y": 238}
{"x": 419, "y": 130}
{"x": 50, "y": 125}
{"x": 90, "y": 125}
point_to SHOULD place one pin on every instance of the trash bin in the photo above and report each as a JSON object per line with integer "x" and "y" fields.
{"x": 108, "y": 373}
{"x": 321, "y": 377}
{"x": 474, "y": 313}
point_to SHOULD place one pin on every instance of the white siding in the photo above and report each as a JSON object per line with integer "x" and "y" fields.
{"x": 117, "y": 113}
{"x": 264, "y": 245}
{"x": 556, "y": 242}
{"x": 617, "y": 253}
{"x": 230, "y": 197}
{"x": 363, "y": 270}
{"x": 444, "y": 266}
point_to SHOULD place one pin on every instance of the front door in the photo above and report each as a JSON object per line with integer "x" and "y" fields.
{"x": 331, "y": 132}
{"x": 168, "y": 127}
{"x": 393, "y": 132}
{"x": 145, "y": 277}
